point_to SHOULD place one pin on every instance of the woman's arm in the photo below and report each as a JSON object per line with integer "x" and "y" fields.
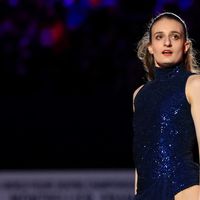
{"x": 135, "y": 172}
{"x": 134, "y": 95}
{"x": 193, "y": 95}
{"x": 135, "y": 182}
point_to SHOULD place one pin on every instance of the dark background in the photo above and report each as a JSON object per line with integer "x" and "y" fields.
{"x": 68, "y": 70}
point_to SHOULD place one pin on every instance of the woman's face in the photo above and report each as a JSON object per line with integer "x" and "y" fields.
{"x": 168, "y": 43}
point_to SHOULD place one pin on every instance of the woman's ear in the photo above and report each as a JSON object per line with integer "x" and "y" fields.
{"x": 186, "y": 46}
{"x": 150, "y": 49}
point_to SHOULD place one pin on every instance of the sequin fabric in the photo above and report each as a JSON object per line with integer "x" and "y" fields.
{"x": 164, "y": 135}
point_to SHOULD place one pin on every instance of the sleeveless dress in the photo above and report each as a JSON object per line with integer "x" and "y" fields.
{"x": 164, "y": 136}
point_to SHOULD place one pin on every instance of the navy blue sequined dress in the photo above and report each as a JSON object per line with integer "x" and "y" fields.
{"x": 164, "y": 135}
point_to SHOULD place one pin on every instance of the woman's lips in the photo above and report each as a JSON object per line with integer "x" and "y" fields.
{"x": 167, "y": 52}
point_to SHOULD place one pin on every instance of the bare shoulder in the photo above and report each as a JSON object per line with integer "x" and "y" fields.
{"x": 194, "y": 78}
{"x": 193, "y": 82}
{"x": 135, "y": 93}
{"x": 193, "y": 86}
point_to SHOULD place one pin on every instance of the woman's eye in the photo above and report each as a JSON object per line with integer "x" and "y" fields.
{"x": 175, "y": 36}
{"x": 158, "y": 37}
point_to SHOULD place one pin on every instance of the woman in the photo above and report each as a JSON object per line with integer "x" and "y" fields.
{"x": 167, "y": 114}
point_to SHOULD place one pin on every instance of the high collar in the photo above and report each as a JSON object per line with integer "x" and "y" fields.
{"x": 167, "y": 72}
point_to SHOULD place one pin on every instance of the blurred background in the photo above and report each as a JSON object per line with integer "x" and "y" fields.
{"x": 68, "y": 69}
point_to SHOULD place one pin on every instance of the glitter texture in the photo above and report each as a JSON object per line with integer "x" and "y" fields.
{"x": 164, "y": 135}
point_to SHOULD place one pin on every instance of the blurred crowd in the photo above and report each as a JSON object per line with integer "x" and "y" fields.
{"x": 49, "y": 46}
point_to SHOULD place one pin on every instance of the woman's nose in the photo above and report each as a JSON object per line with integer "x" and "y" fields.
{"x": 167, "y": 41}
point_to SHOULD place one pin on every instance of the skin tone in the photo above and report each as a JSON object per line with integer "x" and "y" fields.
{"x": 168, "y": 46}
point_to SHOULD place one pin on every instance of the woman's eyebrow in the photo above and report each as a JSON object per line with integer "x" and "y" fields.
{"x": 159, "y": 32}
{"x": 180, "y": 33}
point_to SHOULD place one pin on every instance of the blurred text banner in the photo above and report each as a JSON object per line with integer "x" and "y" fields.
{"x": 66, "y": 185}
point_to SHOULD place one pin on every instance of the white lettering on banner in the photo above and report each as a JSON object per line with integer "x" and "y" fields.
{"x": 67, "y": 185}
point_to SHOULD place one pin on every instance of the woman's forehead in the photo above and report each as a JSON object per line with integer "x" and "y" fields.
{"x": 167, "y": 25}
